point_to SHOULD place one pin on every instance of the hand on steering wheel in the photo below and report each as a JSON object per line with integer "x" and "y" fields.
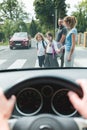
{"x": 6, "y": 107}
{"x": 80, "y": 104}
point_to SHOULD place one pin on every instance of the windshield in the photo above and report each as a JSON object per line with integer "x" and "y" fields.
{"x": 43, "y": 34}
{"x": 20, "y": 34}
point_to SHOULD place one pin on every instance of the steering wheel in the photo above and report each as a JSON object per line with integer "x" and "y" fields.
{"x": 45, "y": 121}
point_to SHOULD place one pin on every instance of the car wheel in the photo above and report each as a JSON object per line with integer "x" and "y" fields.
{"x": 28, "y": 46}
{"x": 11, "y": 47}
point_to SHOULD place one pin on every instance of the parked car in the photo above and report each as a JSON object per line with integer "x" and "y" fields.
{"x": 20, "y": 39}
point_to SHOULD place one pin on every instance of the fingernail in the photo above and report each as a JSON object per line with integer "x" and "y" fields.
{"x": 70, "y": 93}
{"x": 13, "y": 97}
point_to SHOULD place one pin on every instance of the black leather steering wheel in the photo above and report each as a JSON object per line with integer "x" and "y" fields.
{"x": 45, "y": 121}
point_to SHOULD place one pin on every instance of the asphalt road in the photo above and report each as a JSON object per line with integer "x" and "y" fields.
{"x": 81, "y": 57}
{"x": 18, "y": 58}
{"x": 27, "y": 58}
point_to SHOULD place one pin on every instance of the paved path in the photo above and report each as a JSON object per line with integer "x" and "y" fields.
{"x": 81, "y": 57}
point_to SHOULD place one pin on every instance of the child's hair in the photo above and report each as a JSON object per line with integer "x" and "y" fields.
{"x": 49, "y": 34}
{"x": 39, "y": 34}
{"x": 71, "y": 20}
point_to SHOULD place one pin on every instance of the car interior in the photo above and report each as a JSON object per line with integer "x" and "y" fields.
{"x": 41, "y": 93}
{"x": 41, "y": 98}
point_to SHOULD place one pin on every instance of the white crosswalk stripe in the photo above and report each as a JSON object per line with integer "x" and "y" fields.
{"x": 17, "y": 64}
{"x": 36, "y": 64}
{"x": 2, "y": 61}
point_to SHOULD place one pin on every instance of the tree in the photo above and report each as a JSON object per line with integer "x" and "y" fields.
{"x": 45, "y": 11}
{"x": 13, "y": 15}
{"x": 21, "y": 27}
{"x": 60, "y": 5}
{"x": 33, "y": 28}
{"x": 81, "y": 15}
{"x": 10, "y": 27}
{"x": 7, "y": 29}
{"x": 11, "y": 9}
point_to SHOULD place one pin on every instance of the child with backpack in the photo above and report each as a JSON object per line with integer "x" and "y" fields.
{"x": 41, "y": 48}
{"x": 51, "y": 52}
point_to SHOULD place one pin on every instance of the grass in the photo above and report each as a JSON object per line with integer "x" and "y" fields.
{"x": 4, "y": 43}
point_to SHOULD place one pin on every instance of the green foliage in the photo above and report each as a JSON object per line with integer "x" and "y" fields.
{"x": 34, "y": 28}
{"x": 7, "y": 28}
{"x": 45, "y": 12}
{"x": 20, "y": 26}
{"x": 1, "y": 36}
{"x": 11, "y": 9}
{"x": 10, "y": 27}
{"x": 13, "y": 16}
{"x": 81, "y": 15}
{"x": 61, "y": 8}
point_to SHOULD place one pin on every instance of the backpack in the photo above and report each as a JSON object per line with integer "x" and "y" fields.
{"x": 44, "y": 46}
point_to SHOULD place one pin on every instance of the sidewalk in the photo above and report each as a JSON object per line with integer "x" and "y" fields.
{"x": 81, "y": 57}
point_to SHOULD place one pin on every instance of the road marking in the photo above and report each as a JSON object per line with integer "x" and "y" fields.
{"x": 36, "y": 64}
{"x": 17, "y": 64}
{"x": 2, "y": 61}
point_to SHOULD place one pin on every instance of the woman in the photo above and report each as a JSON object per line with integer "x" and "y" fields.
{"x": 41, "y": 47}
{"x": 70, "y": 22}
{"x": 51, "y": 50}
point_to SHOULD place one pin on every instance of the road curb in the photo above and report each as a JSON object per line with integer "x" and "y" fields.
{"x": 3, "y": 48}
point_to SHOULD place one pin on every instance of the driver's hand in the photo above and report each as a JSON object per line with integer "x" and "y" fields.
{"x": 6, "y": 107}
{"x": 80, "y": 104}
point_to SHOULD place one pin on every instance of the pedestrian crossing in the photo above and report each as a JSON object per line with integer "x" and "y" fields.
{"x": 36, "y": 64}
{"x": 20, "y": 63}
{"x": 2, "y": 61}
{"x": 17, "y": 64}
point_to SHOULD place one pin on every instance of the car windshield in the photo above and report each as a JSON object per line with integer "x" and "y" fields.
{"x": 20, "y": 34}
{"x": 43, "y": 34}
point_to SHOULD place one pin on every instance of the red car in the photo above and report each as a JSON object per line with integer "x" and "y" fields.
{"x": 20, "y": 40}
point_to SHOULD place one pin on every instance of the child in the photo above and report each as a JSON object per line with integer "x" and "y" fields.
{"x": 41, "y": 48}
{"x": 51, "y": 51}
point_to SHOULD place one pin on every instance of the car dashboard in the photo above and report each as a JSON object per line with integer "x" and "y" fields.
{"x": 40, "y": 96}
{"x": 41, "y": 99}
